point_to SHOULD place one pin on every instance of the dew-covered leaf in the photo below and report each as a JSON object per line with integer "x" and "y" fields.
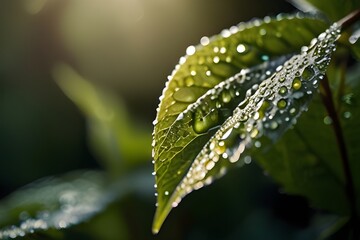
{"x": 196, "y": 144}
{"x": 113, "y": 136}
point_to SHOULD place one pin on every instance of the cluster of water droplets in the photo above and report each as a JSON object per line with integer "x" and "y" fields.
{"x": 269, "y": 109}
{"x": 209, "y": 112}
{"x": 216, "y": 59}
{"x": 200, "y": 95}
{"x": 63, "y": 204}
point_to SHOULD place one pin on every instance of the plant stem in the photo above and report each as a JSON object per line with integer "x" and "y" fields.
{"x": 349, "y": 19}
{"x": 327, "y": 98}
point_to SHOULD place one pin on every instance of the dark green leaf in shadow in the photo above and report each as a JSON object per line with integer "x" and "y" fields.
{"x": 349, "y": 114}
{"x": 304, "y": 164}
{"x": 113, "y": 136}
{"x": 333, "y": 9}
{"x": 107, "y": 225}
{"x": 266, "y": 111}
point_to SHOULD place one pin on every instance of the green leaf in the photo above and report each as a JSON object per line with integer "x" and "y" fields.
{"x": 113, "y": 136}
{"x": 334, "y": 9}
{"x": 53, "y": 203}
{"x": 47, "y": 206}
{"x": 190, "y": 149}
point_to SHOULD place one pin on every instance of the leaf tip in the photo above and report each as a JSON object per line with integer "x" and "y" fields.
{"x": 161, "y": 214}
{"x": 159, "y": 218}
{"x": 155, "y": 230}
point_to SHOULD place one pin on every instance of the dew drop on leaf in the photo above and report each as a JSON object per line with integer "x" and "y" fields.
{"x": 328, "y": 120}
{"x": 296, "y": 84}
{"x": 281, "y": 103}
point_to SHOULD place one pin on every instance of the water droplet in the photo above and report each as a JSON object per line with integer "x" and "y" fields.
{"x": 220, "y": 148}
{"x": 256, "y": 116}
{"x": 283, "y": 90}
{"x": 241, "y": 48}
{"x": 185, "y": 94}
{"x": 190, "y": 50}
{"x": 225, "y": 33}
{"x": 262, "y": 32}
{"x": 226, "y": 96}
{"x": 181, "y": 61}
{"x": 166, "y": 193}
{"x": 257, "y": 144}
{"x": 62, "y": 224}
{"x": 265, "y": 58}
{"x": 247, "y": 160}
{"x": 204, "y": 41}
{"x": 202, "y": 123}
{"x": 348, "y": 98}
{"x": 281, "y": 103}
{"x": 210, "y": 165}
{"x": 216, "y": 59}
{"x": 222, "y": 50}
{"x": 218, "y": 104}
{"x": 254, "y": 133}
{"x": 227, "y": 134}
{"x": 347, "y": 115}
{"x": 296, "y": 84}
{"x": 190, "y": 81}
{"x": 327, "y": 120}
{"x": 274, "y": 125}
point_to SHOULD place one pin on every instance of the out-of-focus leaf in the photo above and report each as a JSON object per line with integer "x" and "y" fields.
{"x": 113, "y": 136}
{"x": 34, "y": 6}
{"x": 47, "y": 206}
{"x": 267, "y": 111}
{"x": 334, "y": 9}
{"x": 355, "y": 42}
{"x": 53, "y": 203}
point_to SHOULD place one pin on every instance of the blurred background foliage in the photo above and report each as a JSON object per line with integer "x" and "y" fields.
{"x": 79, "y": 85}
